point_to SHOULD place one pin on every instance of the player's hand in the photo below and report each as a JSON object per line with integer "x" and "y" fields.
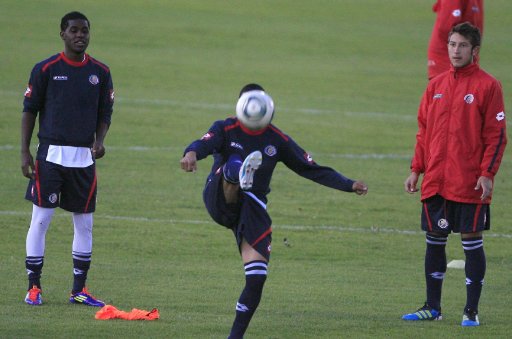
{"x": 97, "y": 150}
{"x": 485, "y": 184}
{"x": 189, "y": 162}
{"x": 27, "y": 165}
{"x": 360, "y": 188}
{"x": 411, "y": 182}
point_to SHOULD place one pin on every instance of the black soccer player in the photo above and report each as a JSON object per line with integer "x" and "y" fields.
{"x": 73, "y": 95}
{"x": 236, "y": 189}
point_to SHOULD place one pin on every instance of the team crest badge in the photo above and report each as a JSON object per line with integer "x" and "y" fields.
{"x": 53, "y": 198}
{"x": 270, "y": 150}
{"x": 93, "y": 79}
{"x": 442, "y": 223}
{"x": 457, "y": 13}
{"x": 469, "y": 98}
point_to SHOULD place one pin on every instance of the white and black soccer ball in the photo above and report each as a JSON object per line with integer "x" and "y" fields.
{"x": 255, "y": 109}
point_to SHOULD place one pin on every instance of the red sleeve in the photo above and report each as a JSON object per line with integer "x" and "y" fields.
{"x": 418, "y": 161}
{"x": 494, "y": 131}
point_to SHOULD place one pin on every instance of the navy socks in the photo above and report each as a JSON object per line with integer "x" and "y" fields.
{"x": 435, "y": 269}
{"x": 255, "y": 276}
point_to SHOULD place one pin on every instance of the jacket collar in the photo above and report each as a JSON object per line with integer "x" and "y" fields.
{"x": 464, "y": 71}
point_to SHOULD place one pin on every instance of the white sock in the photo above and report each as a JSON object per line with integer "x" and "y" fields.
{"x": 36, "y": 235}
{"x": 82, "y": 240}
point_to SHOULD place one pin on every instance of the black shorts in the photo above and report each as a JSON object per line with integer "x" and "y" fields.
{"x": 248, "y": 219}
{"x": 72, "y": 189}
{"x": 446, "y": 216}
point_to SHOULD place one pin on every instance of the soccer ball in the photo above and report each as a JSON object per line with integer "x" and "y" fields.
{"x": 255, "y": 109}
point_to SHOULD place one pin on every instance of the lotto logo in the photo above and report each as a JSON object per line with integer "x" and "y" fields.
{"x": 207, "y": 136}
{"x": 28, "y": 91}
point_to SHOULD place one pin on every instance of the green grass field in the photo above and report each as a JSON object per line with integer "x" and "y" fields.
{"x": 346, "y": 77}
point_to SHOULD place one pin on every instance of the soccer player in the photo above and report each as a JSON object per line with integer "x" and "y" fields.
{"x": 73, "y": 95}
{"x": 236, "y": 189}
{"x": 459, "y": 147}
{"x": 448, "y": 14}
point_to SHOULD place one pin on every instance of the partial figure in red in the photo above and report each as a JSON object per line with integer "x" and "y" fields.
{"x": 449, "y": 14}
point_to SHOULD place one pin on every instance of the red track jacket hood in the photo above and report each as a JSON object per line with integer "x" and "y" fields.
{"x": 461, "y": 135}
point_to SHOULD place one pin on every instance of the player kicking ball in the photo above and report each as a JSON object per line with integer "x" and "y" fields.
{"x": 246, "y": 149}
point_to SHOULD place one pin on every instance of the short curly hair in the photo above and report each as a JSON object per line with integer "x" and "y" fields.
{"x": 467, "y": 30}
{"x": 64, "y": 22}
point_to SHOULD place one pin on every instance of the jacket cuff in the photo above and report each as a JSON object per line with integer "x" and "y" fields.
{"x": 487, "y": 174}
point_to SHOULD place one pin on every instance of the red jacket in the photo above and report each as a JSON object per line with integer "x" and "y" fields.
{"x": 449, "y": 14}
{"x": 462, "y": 133}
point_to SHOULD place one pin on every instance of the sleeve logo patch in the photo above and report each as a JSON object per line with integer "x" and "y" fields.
{"x": 207, "y": 136}
{"x": 28, "y": 91}
{"x": 500, "y": 116}
{"x": 309, "y": 158}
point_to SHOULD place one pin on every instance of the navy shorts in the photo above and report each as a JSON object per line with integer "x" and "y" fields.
{"x": 446, "y": 216}
{"x": 72, "y": 189}
{"x": 248, "y": 219}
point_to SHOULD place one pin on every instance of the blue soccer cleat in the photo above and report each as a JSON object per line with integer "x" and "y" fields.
{"x": 424, "y": 313}
{"x": 470, "y": 318}
{"x": 34, "y": 296}
{"x": 85, "y": 298}
{"x": 249, "y": 166}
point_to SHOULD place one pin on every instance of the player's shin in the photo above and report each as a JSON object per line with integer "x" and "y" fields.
{"x": 255, "y": 276}
{"x": 475, "y": 270}
{"x": 82, "y": 249}
{"x": 35, "y": 243}
{"x": 435, "y": 268}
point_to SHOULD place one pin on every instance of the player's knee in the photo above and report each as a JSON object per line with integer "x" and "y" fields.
{"x": 41, "y": 218}
{"x": 231, "y": 192}
{"x": 255, "y": 274}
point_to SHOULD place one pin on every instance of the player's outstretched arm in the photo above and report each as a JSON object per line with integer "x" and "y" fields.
{"x": 360, "y": 188}
{"x": 189, "y": 162}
